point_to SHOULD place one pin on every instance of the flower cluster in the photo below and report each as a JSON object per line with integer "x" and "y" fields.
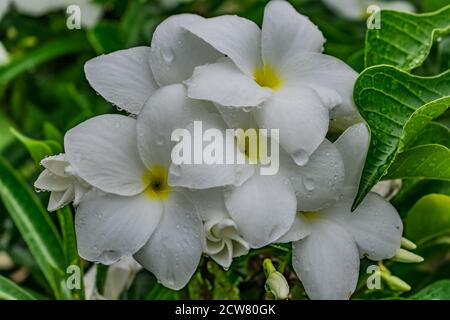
{"x": 132, "y": 200}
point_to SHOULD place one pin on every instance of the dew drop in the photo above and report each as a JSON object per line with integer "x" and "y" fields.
{"x": 309, "y": 184}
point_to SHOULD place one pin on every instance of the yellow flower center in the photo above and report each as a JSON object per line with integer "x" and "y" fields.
{"x": 156, "y": 178}
{"x": 310, "y": 215}
{"x": 267, "y": 77}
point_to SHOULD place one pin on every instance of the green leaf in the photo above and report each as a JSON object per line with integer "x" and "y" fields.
{"x": 429, "y": 218}
{"x": 46, "y": 52}
{"x": 396, "y": 106}
{"x": 11, "y": 291}
{"x": 52, "y": 133}
{"x": 35, "y": 226}
{"x": 405, "y": 39}
{"x": 428, "y": 161}
{"x": 440, "y": 290}
{"x": 38, "y": 149}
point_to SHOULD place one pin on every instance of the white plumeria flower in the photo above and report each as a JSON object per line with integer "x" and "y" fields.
{"x": 280, "y": 71}
{"x": 223, "y": 241}
{"x": 328, "y": 243}
{"x": 264, "y": 206}
{"x": 60, "y": 178}
{"x": 358, "y": 9}
{"x": 127, "y": 78}
{"x": 141, "y": 214}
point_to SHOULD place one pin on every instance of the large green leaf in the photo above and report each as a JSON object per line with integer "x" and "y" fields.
{"x": 429, "y": 218}
{"x": 35, "y": 226}
{"x": 440, "y": 290}
{"x": 11, "y": 291}
{"x": 38, "y": 149}
{"x": 396, "y": 106}
{"x": 405, "y": 39}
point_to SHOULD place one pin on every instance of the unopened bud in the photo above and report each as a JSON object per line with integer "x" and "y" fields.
{"x": 395, "y": 283}
{"x": 405, "y": 256}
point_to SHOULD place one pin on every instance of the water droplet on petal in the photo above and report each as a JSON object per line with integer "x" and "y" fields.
{"x": 301, "y": 157}
{"x": 168, "y": 55}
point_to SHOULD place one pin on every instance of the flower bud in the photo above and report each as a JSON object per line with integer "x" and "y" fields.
{"x": 408, "y": 244}
{"x": 276, "y": 283}
{"x": 405, "y": 256}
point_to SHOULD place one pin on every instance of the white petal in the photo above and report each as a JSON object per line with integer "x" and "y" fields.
{"x": 119, "y": 277}
{"x": 173, "y": 251}
{"x": 205, "y": 176}
{"x": 112, "y": 227}
{"x": 375, "y": 225}
{"x": 59, "y": 199}
{"x": 353, "y": 145}
{"x": 223, "y": 241}
{"x": 285, "y": 33}
{"x": 124, "y": 77}
{"x": 301, "y": 119}
{"x": 299, "y": 230}
{"x": 168, "y": 109}
{"x": 327, "y": 262}
{"x": 175, "y": 52}
{"x": 104, "y": 153}
{"x": 327, "y": 75}
{"x": 320, "y": 181}
{"x": 36, "y": 8}
{"x": 209, "y": 203}
{"x": 226, "y": 85}
{"x": 56, "y": 164}
{"x": 238, "y": 38}
{"x": 263, "y": 207}
{"x": 236, "y": 118}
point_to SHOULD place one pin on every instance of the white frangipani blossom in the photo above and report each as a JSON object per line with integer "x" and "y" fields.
{"x": 280, "y": 71}
{"x": 328, "y": 243}
{"x": 264, "y": 206}
{"x": 139, "y": 213}
{"x": 127, "y": 78}
{"x": 357, "y": 9}
{"x": 61, "y": 179}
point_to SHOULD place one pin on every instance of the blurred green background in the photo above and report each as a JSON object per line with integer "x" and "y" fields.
{"x": 43, "y": 93}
